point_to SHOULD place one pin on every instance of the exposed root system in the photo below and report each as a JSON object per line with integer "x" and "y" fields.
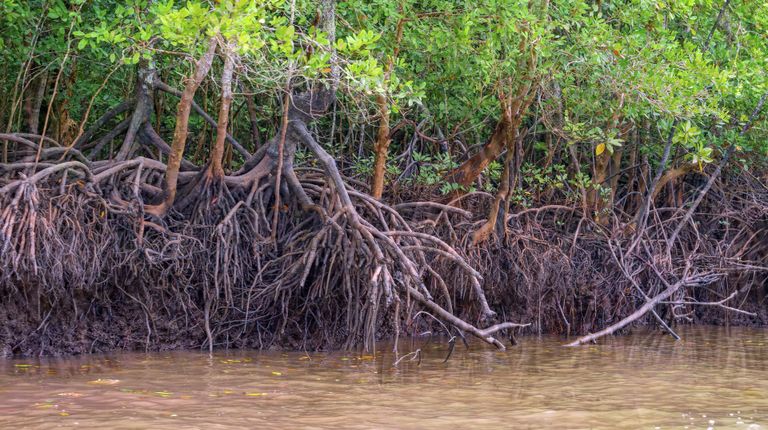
{"x": 86, "y": 268}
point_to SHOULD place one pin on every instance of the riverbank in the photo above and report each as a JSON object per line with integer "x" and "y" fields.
{"x": 322, "y": 175}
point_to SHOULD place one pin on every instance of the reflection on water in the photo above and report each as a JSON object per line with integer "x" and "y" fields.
{"x": 713, "y": 378}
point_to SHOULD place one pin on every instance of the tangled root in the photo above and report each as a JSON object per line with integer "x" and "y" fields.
{"x": 86, "y": 269}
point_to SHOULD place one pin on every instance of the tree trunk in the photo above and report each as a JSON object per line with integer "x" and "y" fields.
{"x": 513, "y": 109}
{"x": 381, "y": 147}
{"x": 142, "y": 109}
{"x": 66, "y": 129}
{"x": 180, "y": 133}
{"x": 595, "y": 201}
{"x": 466, "y": 174}
{"x": 37, "y": 102}
{"x": 632, "y": 174}
{"x": 496, "y": 214}
{"x": 615, "y": 174}
{"x": 253, "y": 119}
{"x": 217, "y": 154}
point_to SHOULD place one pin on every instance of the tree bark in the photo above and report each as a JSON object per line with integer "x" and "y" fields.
{"x": 466, "y": 174}
{"x": 142, "y": 109}
{"x": 180, "y": 133}
{"x": 381, "y": 147}
{"x": 37, "y": 102}
{"x": 217, "y": 155}
{"x": 253, "y": 119}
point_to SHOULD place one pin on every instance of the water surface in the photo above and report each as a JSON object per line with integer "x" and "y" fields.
{"x": 713, "y": 378}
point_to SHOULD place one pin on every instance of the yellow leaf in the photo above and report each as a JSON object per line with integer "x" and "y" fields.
{"x": 600, "y": 149}
{"x": 255, "y": 394}
{"x": 104, "y": 381}
{"x": 277, "y": 373}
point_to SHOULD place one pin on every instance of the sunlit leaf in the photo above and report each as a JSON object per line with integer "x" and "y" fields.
{"x": 600, "y": 149}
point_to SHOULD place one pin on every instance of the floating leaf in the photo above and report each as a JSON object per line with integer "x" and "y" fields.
{"x": 255, "y": 394}
{"x": 104, "y": 381}
{"x": 277, "y": 373}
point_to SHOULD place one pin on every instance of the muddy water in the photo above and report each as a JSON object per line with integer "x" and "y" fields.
{"x": 713, "y": 378}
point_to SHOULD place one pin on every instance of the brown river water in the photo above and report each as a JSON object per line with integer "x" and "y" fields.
{"x": 713, "y": 378}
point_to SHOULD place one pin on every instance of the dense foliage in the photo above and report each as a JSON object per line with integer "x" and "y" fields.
{"x": 597, "y": 70}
